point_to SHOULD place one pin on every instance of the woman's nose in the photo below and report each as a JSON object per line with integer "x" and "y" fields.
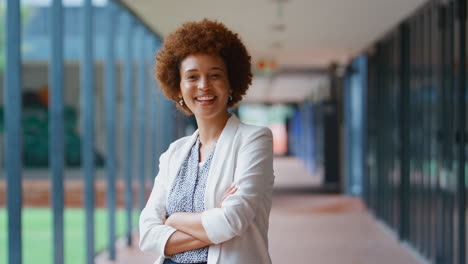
{"x": 203, "y": 83}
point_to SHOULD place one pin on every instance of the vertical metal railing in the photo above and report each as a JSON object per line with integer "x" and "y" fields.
{"x": 444, "y": 134}
{"x": 353, "y": 111}
{"x": 308, "y": 135}
{"x": 461, "y": 151}
{"x": 161, "y": 128}
{"x": 87, "y": 125}
{"x": 304, "y": 135}
{"x": 128, "y": 122}
{"x": 404, "y": 132}
{"x": 349, "y": 142}
{"x": 433, "y": 163}
{"x": 153, "y": 101}
{"x": 425, "y": 146}
{"x": 12, "y": 117}
{"x": 110, "y": 116}
{"x": 449, "y": 157}
{"x": 411, "y": 130}
{"x": 429, "y": 49}
{"x": 56, "y": 128}
{"x": 419, "y": 141}
{"x": 141, "y": 119}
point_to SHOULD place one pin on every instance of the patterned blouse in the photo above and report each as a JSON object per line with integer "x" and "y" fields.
{"x": 187, "y": 195}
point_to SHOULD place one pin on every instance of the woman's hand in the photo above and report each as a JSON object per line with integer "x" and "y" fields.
{"x": 189, "y": 223}
{"x": 231, "y": 190}
{"x": 180, "y": 242}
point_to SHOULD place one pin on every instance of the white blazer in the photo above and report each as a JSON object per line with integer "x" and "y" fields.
{"x": 244, "y": 155}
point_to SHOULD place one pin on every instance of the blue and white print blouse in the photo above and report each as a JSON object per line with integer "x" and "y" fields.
{"x": 187, "y": 195}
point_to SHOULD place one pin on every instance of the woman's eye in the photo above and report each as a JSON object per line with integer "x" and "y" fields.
{"x": 216, "y": 75}
{"x": 191, "y": 77}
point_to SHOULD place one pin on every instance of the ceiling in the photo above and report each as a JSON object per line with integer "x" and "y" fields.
{"x": 296, "y": 34}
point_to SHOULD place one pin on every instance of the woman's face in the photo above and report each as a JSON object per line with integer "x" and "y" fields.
{"x": 204, "y": 85}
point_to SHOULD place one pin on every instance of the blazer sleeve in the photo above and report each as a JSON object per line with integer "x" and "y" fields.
{"x": 254, "y": 177}
{"x": 153, "y": 233}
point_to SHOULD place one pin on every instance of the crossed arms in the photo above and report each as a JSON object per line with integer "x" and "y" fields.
{"x": 190, "y": 232}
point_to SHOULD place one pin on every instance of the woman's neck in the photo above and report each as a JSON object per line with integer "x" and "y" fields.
{"x": 209, "y": 130}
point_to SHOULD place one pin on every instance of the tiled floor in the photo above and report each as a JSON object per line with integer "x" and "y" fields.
{"x": 313, "y": 228}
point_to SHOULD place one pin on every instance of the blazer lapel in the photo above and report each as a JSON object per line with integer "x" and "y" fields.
{"x": 221, "y": 158}
{"x": 179, "y": 156}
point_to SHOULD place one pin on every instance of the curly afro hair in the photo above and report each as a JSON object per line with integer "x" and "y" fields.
{"x": 209, "y": 37}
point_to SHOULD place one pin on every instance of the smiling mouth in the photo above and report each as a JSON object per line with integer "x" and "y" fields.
{"x": 205, "y": 98}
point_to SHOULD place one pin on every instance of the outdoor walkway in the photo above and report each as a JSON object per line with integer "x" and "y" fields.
{"x": 313, "y": 228}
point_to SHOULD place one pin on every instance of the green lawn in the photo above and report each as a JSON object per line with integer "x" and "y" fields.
{"x": 37, "y": 234}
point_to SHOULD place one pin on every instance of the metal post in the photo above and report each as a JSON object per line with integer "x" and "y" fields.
{"x": 461, "y": 187}
{"x": 418, "y": 122}
{"x": 110, "y": 108}
{"x": 443, "y": 127}
{"x": 141, "y": 104}
{"x": 12, "y": 117}
{"x": 56, "y": 127}
{"x": 87, "y": 121}
{"x": 164, "y": 115}
{"x": 310, "y": 138}
{"x": 404, "y": 131}
{"x": 363, "y": 79}
{"x": 348, "y": 176}
{"x": 313, "y": 138}
{"x": 172, "y": 114}
{"x": 411, "y": 130}
{"x": 305, "y": 133}
{"x": 128, "y": 125}
{"x": 379, "y": 130}
{"x": 306, "y": 141}
{"x": 153, "y": 102}
{"x": 384, "y": 127}
{"x": 160, "y": 112}
{"x": 451, "y": 84}
{"x": 172, "y": 117}
{"x": 425, "y": 188}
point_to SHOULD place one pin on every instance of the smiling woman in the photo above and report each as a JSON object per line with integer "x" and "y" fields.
{"x": 211, "y": 199}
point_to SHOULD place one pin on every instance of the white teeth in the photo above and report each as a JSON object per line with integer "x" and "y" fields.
{"x": 205, "y": 98}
